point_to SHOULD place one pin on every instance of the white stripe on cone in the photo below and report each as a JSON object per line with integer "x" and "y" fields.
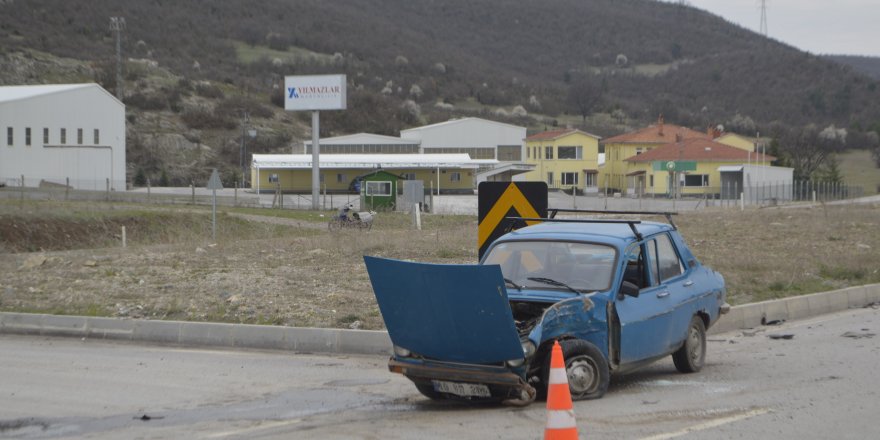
{"x": 561, "y": 419}
{"x": 558, "y": 376}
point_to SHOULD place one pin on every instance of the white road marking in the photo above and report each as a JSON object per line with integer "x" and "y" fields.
{"x": 707, "y": 425}
{"x": 260, "y": 427}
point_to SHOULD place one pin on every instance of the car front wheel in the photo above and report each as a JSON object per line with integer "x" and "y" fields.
{"x": 691, "y": 356}
{"x": 586, "y": 369}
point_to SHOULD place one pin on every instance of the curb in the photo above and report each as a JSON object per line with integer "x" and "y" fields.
{"x": 297, "y": 339}
{"x": 797, "y": 307}
{"x": 371, "y": 342}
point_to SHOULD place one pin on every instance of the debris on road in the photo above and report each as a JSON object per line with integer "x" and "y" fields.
{"x": 781, "y": 336}
{"x": 856, "y": 335}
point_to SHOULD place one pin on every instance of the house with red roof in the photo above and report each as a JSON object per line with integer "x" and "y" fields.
{"x": 700, "y": 166}
{"x": 613, "y": 174}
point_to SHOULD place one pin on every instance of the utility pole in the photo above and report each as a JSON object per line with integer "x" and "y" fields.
{"x": 242, "y": 152}
{"x": 245, "y": 118}
{"x": 118, "y": 24}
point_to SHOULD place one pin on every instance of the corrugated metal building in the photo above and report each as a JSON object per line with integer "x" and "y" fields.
{"x": 55, "y": 134}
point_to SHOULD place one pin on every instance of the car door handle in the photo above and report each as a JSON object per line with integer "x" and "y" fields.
{"x": 688, "y": 283}
{"x": 663, "y": 294}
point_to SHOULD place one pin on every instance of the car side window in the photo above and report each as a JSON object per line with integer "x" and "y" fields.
{"x": 652, "y": 251}
{"x": 634, "y": 272}
{"x": 668, "y": 264}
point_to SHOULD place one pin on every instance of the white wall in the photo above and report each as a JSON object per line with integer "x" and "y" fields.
{"x": 86, "y": 165}
{"x": 767, "y": 182}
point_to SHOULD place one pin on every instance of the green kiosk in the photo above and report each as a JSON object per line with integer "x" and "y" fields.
{"x": 378, "y": 190}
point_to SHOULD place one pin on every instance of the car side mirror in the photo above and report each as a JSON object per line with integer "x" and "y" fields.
{"x": 628, "y": 289}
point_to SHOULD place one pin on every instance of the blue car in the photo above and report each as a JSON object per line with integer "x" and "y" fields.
{"x": 616, "y": 294}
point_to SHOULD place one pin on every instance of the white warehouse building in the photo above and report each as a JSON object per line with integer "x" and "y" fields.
{"x": 62, "y": 134}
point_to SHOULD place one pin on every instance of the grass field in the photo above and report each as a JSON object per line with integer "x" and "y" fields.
{"x": 858, "y": 168}
{"x": 288, "y": 269}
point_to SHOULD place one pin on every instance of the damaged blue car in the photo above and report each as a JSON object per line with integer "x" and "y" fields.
{"x": 616, "y": 294}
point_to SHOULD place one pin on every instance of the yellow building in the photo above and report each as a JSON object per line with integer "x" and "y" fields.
{"x": 448, "y": 173}
{"x": 704, "y": 160}
{"x": 563, "y": 158}
{"x": 735, "y": 140}
{"x": 613, "y": 174}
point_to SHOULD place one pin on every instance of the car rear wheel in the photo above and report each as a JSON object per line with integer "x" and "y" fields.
{"x": 586, "y": 369}
{"x": 692, "y": 355}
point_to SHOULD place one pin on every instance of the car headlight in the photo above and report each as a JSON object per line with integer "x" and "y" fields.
{"x": 515, "y": 362}
{"x": 528, "y": 348}
{"x": 402, "y": 352}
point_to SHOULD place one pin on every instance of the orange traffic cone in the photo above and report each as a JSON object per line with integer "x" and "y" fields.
{"x": 560, "y": 413}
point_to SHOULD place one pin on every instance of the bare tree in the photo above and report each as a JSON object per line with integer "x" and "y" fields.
{"x": 584, "y": 95}
{"x": 807, "y": 149}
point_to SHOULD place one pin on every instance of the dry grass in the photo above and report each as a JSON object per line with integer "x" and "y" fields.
{"x": 774, "y": 253}
{"x": 306, "y": 276}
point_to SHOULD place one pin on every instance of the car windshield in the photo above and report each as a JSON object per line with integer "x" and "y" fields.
{"x": 583, "y": 266}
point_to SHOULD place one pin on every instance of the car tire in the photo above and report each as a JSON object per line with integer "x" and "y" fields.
{"x": 586, "y": 368}
{"x": 428, "y": 391}
{"x": 692, "y": 354}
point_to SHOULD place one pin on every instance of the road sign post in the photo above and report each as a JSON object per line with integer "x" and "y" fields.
{"x": 214, "y": 184}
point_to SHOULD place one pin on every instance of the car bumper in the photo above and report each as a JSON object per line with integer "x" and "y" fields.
{"x": 503, "y": 384}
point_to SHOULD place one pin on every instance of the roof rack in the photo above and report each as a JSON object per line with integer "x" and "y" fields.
{"x": 632, "y": 223}
{"x": 553, "y": 211}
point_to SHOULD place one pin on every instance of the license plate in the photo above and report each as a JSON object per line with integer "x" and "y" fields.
{"x": 461, "y": 389}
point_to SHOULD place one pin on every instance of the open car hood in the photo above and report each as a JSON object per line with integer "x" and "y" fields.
{"x": 456, "y": 313}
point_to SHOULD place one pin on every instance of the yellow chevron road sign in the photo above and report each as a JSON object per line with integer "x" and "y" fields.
{"x": 498, "y": 200}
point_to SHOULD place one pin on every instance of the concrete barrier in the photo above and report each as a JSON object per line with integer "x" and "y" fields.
{"x": 797, "y": 307}
{"x": 331, "y": 340}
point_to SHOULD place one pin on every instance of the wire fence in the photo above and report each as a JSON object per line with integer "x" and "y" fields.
{"x": 730, "y": 194}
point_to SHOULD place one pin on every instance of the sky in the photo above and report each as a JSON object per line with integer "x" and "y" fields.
{"x": 834, "y": 27}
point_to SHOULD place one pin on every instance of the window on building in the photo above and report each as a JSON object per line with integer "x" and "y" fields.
{"x": 651, "y": 181}
{"x": 548, "y": 152}
{"x": 455, "y": 177}
{"x": 510, "y": 153}
{"x": 340, "y": 178}
{"x": 378, "y": 189}
{"x": 570, "y": 178}
{"x": 409, "y": 176}
{"x": 696, "y": 180}
{"x": 9, "y": 138}
{"x": 571, "y": 152}
{"x": 63, "y": 136}
{"x": 79, "y": 136}
{"x": 529, "y": 153}
{"x": 45, "y": 136}
{"x": 591, "y": 179}
{"x": 97, "y": 136}
{"x": 639, "y": 150}
{"x": 27, "y": 136}
{"x": 550, "y": 178}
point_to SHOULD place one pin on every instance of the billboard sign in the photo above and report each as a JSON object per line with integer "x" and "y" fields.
{"x": 314, "y": 92}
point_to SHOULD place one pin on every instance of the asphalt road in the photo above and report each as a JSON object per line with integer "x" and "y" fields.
{"x": 820, "y": 384}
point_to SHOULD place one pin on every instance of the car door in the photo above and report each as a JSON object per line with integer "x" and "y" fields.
{"x": 649, "y": 324}
{"x": 674, "y": 286}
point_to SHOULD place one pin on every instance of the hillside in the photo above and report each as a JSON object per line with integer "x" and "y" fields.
{"x": 867, "y": 65}
{"x": 192, "y": 68}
